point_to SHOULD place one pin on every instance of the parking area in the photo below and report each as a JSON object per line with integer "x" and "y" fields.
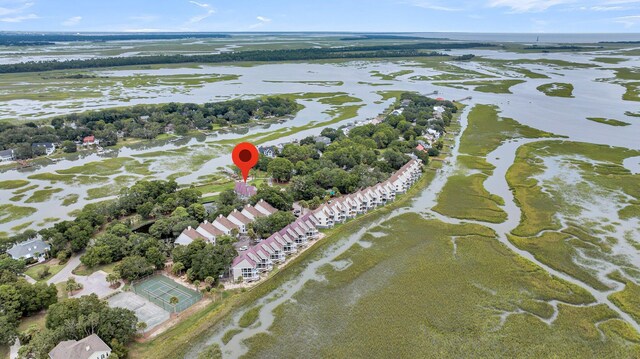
{"x": 95, "y": 283}
{"x": 145, "y": 310}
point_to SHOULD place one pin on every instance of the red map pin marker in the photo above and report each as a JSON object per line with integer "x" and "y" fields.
{"x": 245, "y": 156}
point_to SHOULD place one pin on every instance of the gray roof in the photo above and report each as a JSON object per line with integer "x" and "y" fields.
{"x": 81, "y": 349}
{"x": 26, "y": 248}
{"x": 6, "y": 153}
{"x": 44, "y": 144}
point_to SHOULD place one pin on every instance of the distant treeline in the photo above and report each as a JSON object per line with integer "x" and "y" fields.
{"x": 562, "y": 47}
{"x": 389, "y": 37}
{"x": 17, "y": 39}
{"x": 405, "y": 50}
{"x": 619, "y": 42}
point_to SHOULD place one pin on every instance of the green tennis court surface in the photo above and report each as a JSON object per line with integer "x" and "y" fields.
{"x": 160, "y": 289}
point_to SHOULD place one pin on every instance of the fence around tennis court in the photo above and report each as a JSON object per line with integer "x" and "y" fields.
{"x": 163, "y": 290}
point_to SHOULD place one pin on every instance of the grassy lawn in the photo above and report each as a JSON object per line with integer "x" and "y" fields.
{"x": 35, "y": 270}
{"x": 608, "y": 121}
{"x": 13, "y": 184}
{"x": 557, "y": 89}
{"x": 84, "y": 271}
{"x": 37, "y": 319}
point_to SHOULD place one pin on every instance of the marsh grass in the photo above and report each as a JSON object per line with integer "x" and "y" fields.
{"x": 249, "y": 317}
{"x": 557, "y": 89}
{"x": 42, "y": 195}
{"x": 13, "y": 184}
{"x": 607, "y": 121}
{"x": 10, "y": 212}
{"x": 496, "y": 86}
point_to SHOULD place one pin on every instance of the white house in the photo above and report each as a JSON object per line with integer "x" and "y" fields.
{"x": 224, "y": 225}
{"x": 209, "y": 231}
{"x": 274, "y": 248}
{"x": 244, "y": 267}
{"x": 240, "y": 220}
{"x": 265, "y": 208}
{"x": 324, "y": 215}
{"x": 48, "y": 147}
{"x": 289, "y": 245}
{"x": 188, "y": 236}
{"x": 34, "y": 248}
{"x": 7, "y": 155}
{"x": 250, "y": 211}
{"x": 91, "y": 347}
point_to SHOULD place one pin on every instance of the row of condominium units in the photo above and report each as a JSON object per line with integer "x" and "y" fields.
{"x": 261, "y": 257}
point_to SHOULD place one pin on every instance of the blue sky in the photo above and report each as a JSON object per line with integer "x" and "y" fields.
{"x": 322, "y": 15}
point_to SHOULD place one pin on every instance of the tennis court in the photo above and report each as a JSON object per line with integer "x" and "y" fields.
{"x": 160, "y": 289}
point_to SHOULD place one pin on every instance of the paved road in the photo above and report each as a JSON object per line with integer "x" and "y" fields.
{"x": 65, "y": 273}
{"x": 29, "y": 279}
{"x": 13, "y": 350}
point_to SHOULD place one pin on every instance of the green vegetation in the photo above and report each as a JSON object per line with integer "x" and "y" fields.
{"x": 38, "y": 271}
{"x": 607, "y": 121}
{"x": 541, "y": 207}
{"x": 498, "y": 86}
{"x": 249, "y": 317}
{"x": 628, "y": 299}
{"x": 609, "y": 60}
{"x": 10, "y": 212}
{"x": 391, "y": 76}
{"x": 467, "y": 296}
{"x": 230, "y": 334}
{"x": 13, "y": 184}
{"x": 632, "y": 114}
{"x": 464, "y": 195}
{"x": 557, "y": 89}
{"x": 70, "y": 199}
{"x": 83, "y": 270}
{"x": 43, "y": 195}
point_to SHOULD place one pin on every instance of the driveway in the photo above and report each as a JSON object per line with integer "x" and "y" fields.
{"x": 65, "y": 272}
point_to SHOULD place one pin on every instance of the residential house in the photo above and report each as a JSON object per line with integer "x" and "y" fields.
{"x": 91, "y": 347}
{"x": 90, "y": 141}
{"x": 250, "y": 211}
{"x": 240, "y": 220}
{"x": 34, "y": 248}
{"x": 262, "y": 259}
{"x": 324, "y": 139}
{"x": 244, "y": 266}
{"x": 224, "y": 225}
{"x": 188, "y": 236}
{"x": 405, "y": 103}
{"x": 48, "y": 147}
{"x": 265, "y": 207}
{"x": 7, "y": 155}
{"x": 325, "y": 215}
{"x": 268, "y": 151}
{"x": 244, "y": 190}
{"x": 274, "y": 248}
{"x": 338, "y": 209}
{"x": 209, "y": 231}
{"x": 298, "y": 234}
{"x": 289, "y": 245}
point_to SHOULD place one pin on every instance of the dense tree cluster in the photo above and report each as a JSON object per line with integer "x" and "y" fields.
{"x": 263, "y": 227}
{"x": 30, "y": 39}
{"x": 19, "y": 298}
{"x": 141, "y": 121}
{"x": 76, "y": 318}
{"x": 202, "y": 260}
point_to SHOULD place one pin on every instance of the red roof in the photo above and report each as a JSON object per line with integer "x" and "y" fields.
{"x": 440, "y": 99}
{"x": 88, "y": 139}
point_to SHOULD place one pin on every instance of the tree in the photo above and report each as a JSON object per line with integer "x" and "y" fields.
{"x": 141, "y": 326}
{"x": 280, "y": 169}
{"x": 134, "y": 267}
{"x": 43, "y": 273}
{"x": 281, "y": 200}
{"x": 209, "y": 281}
{"x": 197, "y": 284}
{"x": 113, "y": 278}
{"x": 69, "y": 147}
{"x": 71, "y": 285}
{"x": 155, "y": 257}
{"x": 174, "y": 301}
{"x": 177, "y": 268}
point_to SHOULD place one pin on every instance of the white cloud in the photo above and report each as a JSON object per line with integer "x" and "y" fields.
{"x": 209, "y": 11}
{"x": 15, "y": 10}
{"x": 520, "y": 6}
{"x": 263, "y": 21}
{"x": 434, "y": 6}
{"x": 72, "y": 21}
{"x": 19, "y": 18}
{"x": 628, "y": 21}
